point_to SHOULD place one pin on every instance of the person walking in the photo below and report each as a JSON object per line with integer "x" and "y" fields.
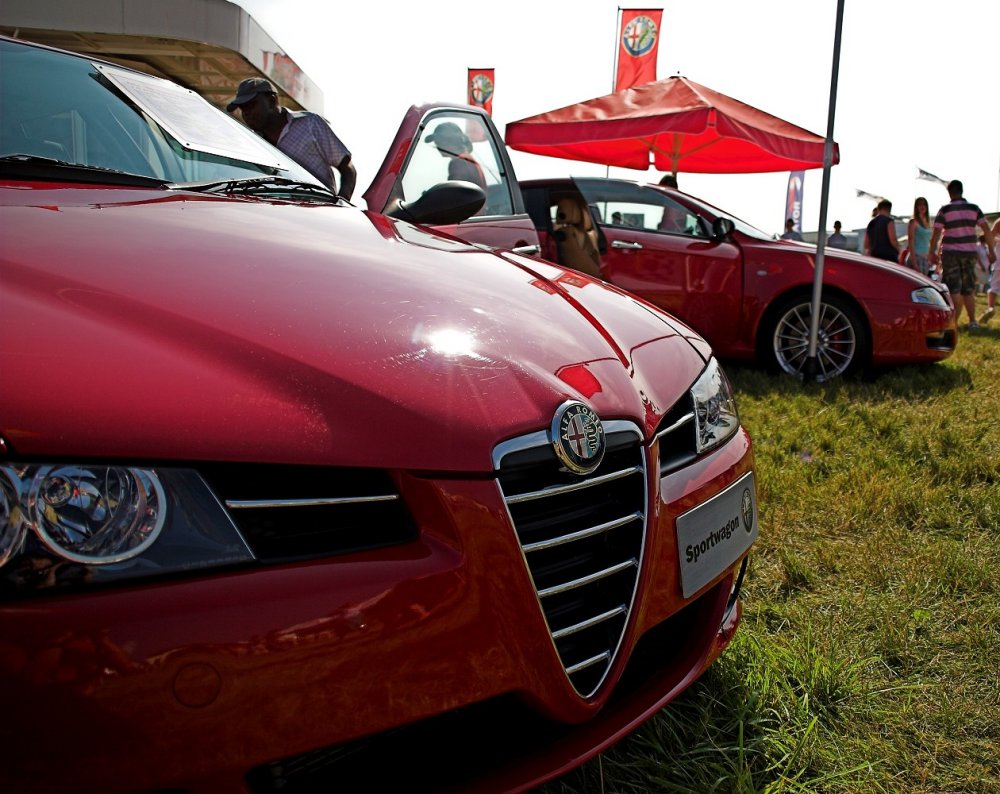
{"x": 955, "y": 229}
{"x": 880, "y": 236}
{"x": 303, "y": 136}
{"x": 918, "y": 235}
{"x": 994, "y": 290}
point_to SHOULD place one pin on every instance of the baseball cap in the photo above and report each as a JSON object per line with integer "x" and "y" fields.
{"x": 449, "y": 134}
{"x": 248, "y": 89}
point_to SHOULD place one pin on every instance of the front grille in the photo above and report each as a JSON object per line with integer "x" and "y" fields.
{"x": 290, "y": 513}
{"x": 583, "y": 539}
{"x": 677, "y": 436}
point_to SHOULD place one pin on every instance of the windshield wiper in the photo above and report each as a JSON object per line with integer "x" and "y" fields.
{"x": 261, "y": 186}
{"x": 31, "y": 166}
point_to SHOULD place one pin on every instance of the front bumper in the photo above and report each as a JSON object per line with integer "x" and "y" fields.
{"x": 286, "y": 675}
{"x": 921, "y": 334}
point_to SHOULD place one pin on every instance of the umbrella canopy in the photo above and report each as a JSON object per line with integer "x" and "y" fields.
{"x": 673, "y": 125}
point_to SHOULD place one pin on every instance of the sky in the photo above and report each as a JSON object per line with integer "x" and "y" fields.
{"x": 918, "y": 84}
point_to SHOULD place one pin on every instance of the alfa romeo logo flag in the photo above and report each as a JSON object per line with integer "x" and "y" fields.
{"x": 638, "y": 43}
{"x": 480, "y": 85}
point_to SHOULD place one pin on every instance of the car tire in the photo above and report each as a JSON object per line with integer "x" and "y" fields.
{"x": 841, "y": 345}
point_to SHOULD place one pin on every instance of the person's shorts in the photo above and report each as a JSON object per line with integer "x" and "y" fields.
{"x": 995, "y": 278}
{"x": 958, "y": 271}
{"x": 923, "y": 265}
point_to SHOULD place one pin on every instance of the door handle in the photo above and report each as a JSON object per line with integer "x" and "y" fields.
{"x": 626, "y": 246}
{"x": 527, "y": 250}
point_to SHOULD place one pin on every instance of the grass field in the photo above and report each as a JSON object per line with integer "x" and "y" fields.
{"x": 869, "y": 655}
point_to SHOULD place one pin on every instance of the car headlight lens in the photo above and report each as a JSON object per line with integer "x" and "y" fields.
{"x": 96, "y": 514}
{"x": 66, "y": 524}
{"x": 929, "y": 297}
{"x": 715, "y": 412}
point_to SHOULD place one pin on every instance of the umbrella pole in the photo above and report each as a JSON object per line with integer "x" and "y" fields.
{"x": 811, "y": 368}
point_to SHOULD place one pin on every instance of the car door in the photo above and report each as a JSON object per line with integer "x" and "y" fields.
{"x": 664, "y": 251}
{"x": 438, "y": 143}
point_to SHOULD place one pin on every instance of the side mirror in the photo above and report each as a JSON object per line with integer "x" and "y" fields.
{"x": 722, "y": 228}
{"x": 443, "y": 203}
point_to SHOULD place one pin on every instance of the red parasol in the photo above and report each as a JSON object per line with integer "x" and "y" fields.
{"x": 673, "y": 125}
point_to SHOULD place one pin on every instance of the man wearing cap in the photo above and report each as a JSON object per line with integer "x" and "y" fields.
{"x": 453, "y": 143}
{"x": 303, "y": 136}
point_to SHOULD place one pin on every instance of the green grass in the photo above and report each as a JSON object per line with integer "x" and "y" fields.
{"x": 868, "y": 659}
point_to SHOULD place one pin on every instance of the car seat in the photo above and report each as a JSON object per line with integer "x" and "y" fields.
{"x": 576, "y": 237}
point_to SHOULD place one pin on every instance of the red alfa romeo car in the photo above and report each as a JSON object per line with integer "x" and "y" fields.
{"x": 748, "y": 294}
{"x": 299, "y": 497}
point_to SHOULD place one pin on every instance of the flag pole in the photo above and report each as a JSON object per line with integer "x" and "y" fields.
{"x": 811, "y": 368}
{"x": 614, "y": 59}
{"x": 614, "y": 68}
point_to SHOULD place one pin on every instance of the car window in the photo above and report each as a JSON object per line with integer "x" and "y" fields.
{"x": 627, "y": 205}
{"x": 54, "y": 105}
{"x": 455, "y": 145}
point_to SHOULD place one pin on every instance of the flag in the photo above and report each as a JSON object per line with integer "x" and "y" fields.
{"x": 638, "y": 42}
{"x": 922, "y": 174}
{"x": 865, "y": 194}
{"x": 793, "y": 199}
{"x": 480, "y": 89}
{"x": 479, "y": 93}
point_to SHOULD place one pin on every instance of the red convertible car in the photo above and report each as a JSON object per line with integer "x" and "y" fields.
{"x": 298, "y": 497}
{"x": 748, "y": 294}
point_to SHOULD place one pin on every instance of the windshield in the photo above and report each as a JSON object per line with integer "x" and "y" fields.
{"x": 69, "y": 109}
{"x": 741, "y": 225}
{"x": 624, "y": 203}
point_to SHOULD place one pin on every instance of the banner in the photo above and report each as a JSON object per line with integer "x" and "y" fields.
{"x": 793, "y": 199}
{"x": 638, "y": 42}
{"x": 480, "y": 89}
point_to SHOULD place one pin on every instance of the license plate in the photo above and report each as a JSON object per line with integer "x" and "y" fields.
{"x": 713, "y": 535}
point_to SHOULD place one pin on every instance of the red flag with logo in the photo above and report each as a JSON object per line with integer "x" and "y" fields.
{"x": 480, "y": 85}
{"x": 638, "y": 43}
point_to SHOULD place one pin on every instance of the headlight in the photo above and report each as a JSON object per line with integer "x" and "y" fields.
{"x": 72, "y": 524}
{"x": 715, "y": 411}
{"x": 929, "y": 296}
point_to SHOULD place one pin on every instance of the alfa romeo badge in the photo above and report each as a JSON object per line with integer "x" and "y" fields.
{"x": 578, "y": 437}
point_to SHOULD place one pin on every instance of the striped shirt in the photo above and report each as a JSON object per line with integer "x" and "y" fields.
{"x": 958, "y": 219}
{"x": 309, "y": 141}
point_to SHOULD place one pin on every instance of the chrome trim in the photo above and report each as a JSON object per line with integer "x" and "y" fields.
{"x": 623, "y": 611}
{"x": 557, "y": 490}
{"x": 628, "y": 246}
{"x": 585, "y": 580}
{"x": 583, "y": 533}
{"x": 541, "y": 438}
{"x": 504, "y": 448}
{"x": 576, "y": 668}
{"x": 734, "y": 595}
{"x": 527, "y": 250}
{"x": 242, "y": 504}
{"x": 688, "y": 417}
{"x": 586, "y": 624}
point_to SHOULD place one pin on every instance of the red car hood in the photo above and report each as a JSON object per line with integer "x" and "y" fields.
{"x": 838, "y": 256}
{"x": 146, "y": 326}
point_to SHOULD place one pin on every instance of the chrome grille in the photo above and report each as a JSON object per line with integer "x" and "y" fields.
{"x": 583, "y": 540}
{"x": 299, "y": 512}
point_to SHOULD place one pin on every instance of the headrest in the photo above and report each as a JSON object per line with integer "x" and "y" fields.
{"x": 568, "y": 212}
